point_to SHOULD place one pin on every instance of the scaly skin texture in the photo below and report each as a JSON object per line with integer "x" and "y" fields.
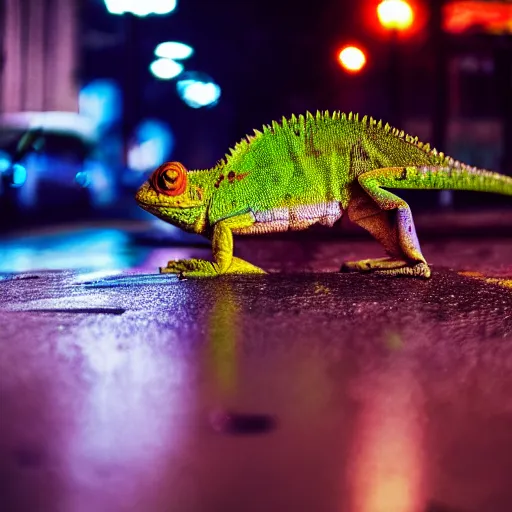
{"x": 306, "y": 170}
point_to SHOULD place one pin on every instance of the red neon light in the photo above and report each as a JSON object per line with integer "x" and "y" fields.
{"x": 492, "y": 17}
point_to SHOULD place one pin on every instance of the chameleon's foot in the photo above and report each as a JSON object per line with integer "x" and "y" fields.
{"x": 202, "y": 268}
{"x": 388, "y": 267}
{"x": 190, "y": 268}
{"x": 372, "y": 264}
{"x": 240, "y": 266}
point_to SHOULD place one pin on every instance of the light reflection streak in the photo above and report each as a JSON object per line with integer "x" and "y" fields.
{"x": 223, "y": 330}
{"x": 127, "y": 427}
{"x": 387, "y": 472}
{"x": 93, "y": 249}
{"x": 98, "y": 275}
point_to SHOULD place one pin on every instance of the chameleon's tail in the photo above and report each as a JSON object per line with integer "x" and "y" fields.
{"x": 454, "y": 175}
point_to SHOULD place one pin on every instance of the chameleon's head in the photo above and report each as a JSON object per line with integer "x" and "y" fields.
{"x": 168, "y": 194}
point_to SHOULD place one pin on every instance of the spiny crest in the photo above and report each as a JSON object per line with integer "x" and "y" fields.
{"x": 300, "y": 121}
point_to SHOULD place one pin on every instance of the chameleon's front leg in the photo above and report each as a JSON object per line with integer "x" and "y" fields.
{"x": 223, "y": 260}
{"x": 389, "y": 219}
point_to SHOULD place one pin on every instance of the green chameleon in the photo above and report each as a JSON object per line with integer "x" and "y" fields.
{"x": 306, "y": 170}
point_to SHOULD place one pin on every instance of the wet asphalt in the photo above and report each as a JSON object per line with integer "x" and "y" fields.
{"x": 303, "y": 390}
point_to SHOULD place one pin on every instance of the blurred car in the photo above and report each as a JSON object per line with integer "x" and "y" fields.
{"x": 60, "y": 174}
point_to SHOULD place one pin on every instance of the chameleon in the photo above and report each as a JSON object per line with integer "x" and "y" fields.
{"x": 304, "y": 170}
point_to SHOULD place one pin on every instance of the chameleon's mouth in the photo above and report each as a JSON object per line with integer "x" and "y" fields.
{"x": 144, "y": 204}
{"x": 151, "y": 201}
{"x": 177, "y": 204}
{"x": 147, "y": 205}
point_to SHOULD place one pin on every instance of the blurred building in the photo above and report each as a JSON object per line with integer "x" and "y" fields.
{"x": 38, "y": 42}
{"x": 464, "y": 103}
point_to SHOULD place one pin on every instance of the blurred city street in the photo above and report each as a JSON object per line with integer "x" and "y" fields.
{"x": 306, "y": 389}
{"x": 303, "y": 390}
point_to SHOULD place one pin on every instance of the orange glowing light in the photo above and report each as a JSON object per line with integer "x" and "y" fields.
{"x": 491, "y": 17}
{"x": 395, "y": 14}
{"x": 352, "y": 59}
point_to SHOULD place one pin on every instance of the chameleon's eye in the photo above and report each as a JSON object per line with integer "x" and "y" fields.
{"x": 169, "y": 179}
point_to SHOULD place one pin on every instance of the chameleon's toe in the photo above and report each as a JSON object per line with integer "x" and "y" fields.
{"x": 203, "y": 268}
{"x": 373, "y": 264}
{"x": 190, "y": 268}
{"x": 421, "y": 270}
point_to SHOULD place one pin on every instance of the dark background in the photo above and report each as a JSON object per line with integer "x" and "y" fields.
{"x": 270, "y": 58}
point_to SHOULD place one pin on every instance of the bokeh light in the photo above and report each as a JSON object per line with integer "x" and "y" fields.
{"x": 83, "y": 179}
{"x": 153, "y": 144}
{"x": 198, "y": 90}
{"x": 15, "y": 175}
{"x": 5, "y": 161}
{"x": 19, "y": 175}
{"x": 352, "y": 59}
{"x": 395, "y": 14}
{"x": 198, "y": 93}
{"x": 100, "y": 101}
{"x": 165, "y": 69}
{"x": 140, "y": 7}
{"x": 174, "y": 50}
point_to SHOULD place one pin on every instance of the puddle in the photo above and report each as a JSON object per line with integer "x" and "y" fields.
{"x": 128, "y": 280}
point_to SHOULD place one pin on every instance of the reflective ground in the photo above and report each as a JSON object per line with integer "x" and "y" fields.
{"x": 303, "y": 390}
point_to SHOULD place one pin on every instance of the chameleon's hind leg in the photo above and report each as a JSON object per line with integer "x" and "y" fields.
{"x": 388, "y": 218}
{"x": 222, "y": 247}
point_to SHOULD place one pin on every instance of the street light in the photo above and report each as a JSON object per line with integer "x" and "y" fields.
{"x": 395, "y": 14}
{"x": 140, "y": 7}
{"x": 130, "y": 11}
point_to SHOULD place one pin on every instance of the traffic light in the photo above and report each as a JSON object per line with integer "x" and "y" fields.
{"x": 352, "y": 59}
